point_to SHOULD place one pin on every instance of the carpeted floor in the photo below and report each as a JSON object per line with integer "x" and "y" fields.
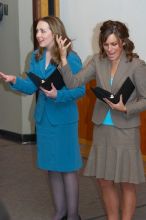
{"x": 24, "y": 189}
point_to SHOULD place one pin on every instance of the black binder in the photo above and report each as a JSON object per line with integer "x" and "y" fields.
{"x": 54, "y": 78}
{"x": 126, "y": 90}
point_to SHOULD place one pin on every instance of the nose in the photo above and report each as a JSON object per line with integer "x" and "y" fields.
{"x": 38, "y": 34}
{"x": 109, "y": 48}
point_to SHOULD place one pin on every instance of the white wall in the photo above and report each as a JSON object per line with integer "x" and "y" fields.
{"x": 81, "y": 17}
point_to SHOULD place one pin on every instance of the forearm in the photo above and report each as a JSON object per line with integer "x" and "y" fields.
{"x": 70, "y": 80}
{"x": 136, "y": 107}
{"x": 70, "y": 95}
{"x": 82, "y": 77}
{"x": 23, "y": 86}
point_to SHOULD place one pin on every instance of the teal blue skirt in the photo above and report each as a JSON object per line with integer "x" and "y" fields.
{"x": 58, "y": 147}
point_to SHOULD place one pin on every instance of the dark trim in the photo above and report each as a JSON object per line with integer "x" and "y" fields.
{"x": 51, "y": 8}
{"x": 23, "y": 138}
{"x": 36, "y": 16}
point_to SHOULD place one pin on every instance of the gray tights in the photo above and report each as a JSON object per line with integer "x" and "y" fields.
{"x": 65, "y": 192}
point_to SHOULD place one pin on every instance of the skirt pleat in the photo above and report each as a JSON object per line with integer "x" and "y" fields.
{"x": 115, "y": 155}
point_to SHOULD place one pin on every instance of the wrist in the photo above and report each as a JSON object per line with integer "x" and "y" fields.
{"x": 125, "y": 109}
{"x": 14, "y": 80}
{"x": 63, "y": 61}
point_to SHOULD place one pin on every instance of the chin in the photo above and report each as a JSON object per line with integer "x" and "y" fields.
{"x": 111, "y": 58}
{"x": 42, "y": 45}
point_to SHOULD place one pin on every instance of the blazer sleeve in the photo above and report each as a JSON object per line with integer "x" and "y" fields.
{"x": 66, "y": 95}
{"x": 25, "y": 86}
{"x": 140, "y": 83}
{"x": 83, "y": 76}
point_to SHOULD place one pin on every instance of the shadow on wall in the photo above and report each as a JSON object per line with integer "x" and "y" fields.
{"x": 95, "y": 38}
{"x": 4, "y": 215}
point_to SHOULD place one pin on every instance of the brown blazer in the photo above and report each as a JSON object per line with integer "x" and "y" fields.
{"x": 99, "y": 69}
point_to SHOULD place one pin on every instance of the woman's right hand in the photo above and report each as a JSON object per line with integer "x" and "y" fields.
{"x": 62, "y": 49}
{"x": 8, "y": 78}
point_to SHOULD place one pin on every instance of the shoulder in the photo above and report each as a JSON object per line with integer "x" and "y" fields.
{"x": 139, "y": 69}
{"x": 74, "y": 61}
{"x": 33, "y": 54}
{"x": 98, "y": 58}
{"x": 73, "y": 56}
{"x": 138, "y": 63}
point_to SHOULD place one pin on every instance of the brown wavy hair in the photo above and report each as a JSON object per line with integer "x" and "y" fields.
{"x": 120, "y": 30}
{"x": 57, "y": 28}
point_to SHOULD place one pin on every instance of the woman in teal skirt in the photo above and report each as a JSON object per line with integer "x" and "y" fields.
{"x": 56, "y": 118}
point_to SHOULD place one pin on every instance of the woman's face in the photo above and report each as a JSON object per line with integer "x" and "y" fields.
{"x": 113, "y": 47}
{"x": 44, "y": 35}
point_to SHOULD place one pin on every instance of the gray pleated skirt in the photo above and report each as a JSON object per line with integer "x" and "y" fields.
{"x": 115, "y": 155}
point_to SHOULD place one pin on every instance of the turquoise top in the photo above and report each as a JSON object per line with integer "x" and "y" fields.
{"x": 108, "y": 119}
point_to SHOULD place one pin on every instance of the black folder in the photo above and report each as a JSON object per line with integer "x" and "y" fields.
{"x": 126, "y": 90}
{"x": 54, "y": 78}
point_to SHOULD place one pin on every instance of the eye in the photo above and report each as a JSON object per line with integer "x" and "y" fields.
{"x": 105, "y": 45}
{"x": 43, "y": 31}
{"x": 114, "y": 44}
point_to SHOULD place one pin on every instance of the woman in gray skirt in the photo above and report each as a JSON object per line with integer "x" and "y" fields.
{"x": 115, "y": 155}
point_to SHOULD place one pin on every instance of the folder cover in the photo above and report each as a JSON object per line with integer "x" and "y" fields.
{"x": 54, "y": 78}
{"x": 125, "y": 90}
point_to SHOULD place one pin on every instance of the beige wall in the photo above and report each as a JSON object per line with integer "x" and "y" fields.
{"x": 16, "y": 43}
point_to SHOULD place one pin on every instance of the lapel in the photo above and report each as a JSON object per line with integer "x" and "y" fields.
{"x": 121, "y": 73}
{"x": 104, "y": 74}
{"x": 44, "y": 73}
{"x": 41, "y": 65}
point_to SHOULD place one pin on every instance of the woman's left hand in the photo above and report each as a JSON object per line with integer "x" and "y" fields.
{"x": 50, "y": 93}
{"x": 119, "y": 106}
{"x": 62, "y": 48}
{"x": 8, "y": 78}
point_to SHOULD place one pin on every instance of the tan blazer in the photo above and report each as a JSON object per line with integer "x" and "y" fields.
{"x": 99, "y": 69}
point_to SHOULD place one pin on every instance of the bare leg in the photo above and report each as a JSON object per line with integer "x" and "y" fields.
{"x": 72, "y": 195}
{"x": 110, "y": 198}
{"x": 128, "y": 200}
{"x": 58, "y": 193}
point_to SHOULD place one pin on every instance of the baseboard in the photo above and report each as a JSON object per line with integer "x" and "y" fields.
{"x": 23, "y": 138}
{"x": 85, "y": 142}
